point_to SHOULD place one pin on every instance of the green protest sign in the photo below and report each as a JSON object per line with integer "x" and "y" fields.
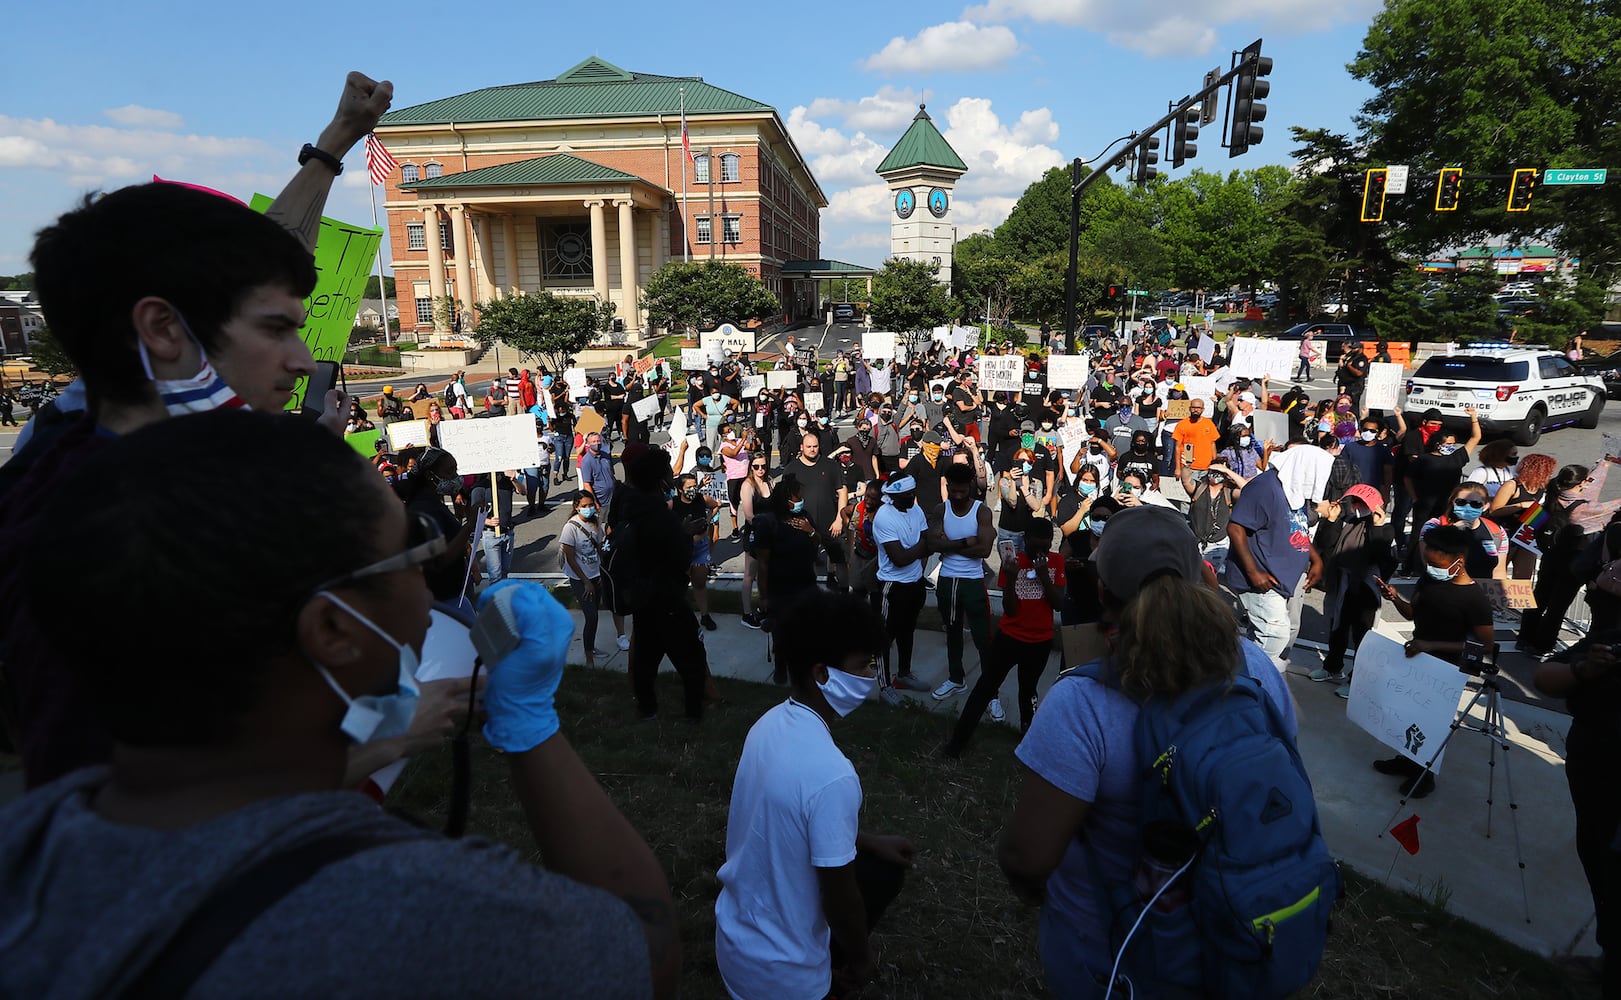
{"x": 364, "y": 442}
{"x": 344, "y": 257}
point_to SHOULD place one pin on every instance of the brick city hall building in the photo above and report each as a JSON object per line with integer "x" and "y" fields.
{"x": 580, "y": 186}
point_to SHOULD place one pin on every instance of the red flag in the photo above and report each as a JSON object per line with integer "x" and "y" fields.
{"x": 686, "y": 142}
{"x": 379, "y": 163}
{"x": 1406, "y": 833}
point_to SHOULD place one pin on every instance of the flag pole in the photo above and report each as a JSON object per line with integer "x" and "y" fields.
{"x": 382, "y": 288}
{"x": 686, "y": 245}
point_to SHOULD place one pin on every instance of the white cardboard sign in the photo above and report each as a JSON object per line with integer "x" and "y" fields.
{"x": 645, "y": 408}
{"x": 1256, "y": 356}
{"x": 1269, "y": 425}
{"x": 751, "y": 385}
{"x": 782, "y": 380}
{"x": 494, "y": 444}
{"x": 694, "y": 359}
{"x": 1407, "y": 703}
{"x": 1003, "y": 372}
{"x": 1067, "y": 371}
{"x": 408, "y": 434}
{"x": 1384, "y": 384}
{"x": 813, "y": 402}
{"x": 877, "y": 344}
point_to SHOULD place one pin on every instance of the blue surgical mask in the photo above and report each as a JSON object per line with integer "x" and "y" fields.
{"x": 589, "y": 513}
{"x": 1463, "y": 512}
{"x": 1442, "y": 572}
{"x": 1447, "y": 449}
{"x": 1028, "y": 468}
{"x": 1087, "y": 489}
{"x": 373, "y": 717}
{"x": 845, "y": 692}
{"x": 797, "y": 506}
{"x": 1095, "y": 527}
{"x": 704, "y": 462}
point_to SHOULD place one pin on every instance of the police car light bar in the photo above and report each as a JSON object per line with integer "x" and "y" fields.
{"x": 1502, "y": 346}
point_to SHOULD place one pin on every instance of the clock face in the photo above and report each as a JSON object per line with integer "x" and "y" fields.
{"x": 938, "y": 203}
{"x": 905, "y": 203}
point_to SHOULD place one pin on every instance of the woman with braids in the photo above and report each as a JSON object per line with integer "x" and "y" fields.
{"x": 1169, "y": 632}
{"x": 1515, "y": 496}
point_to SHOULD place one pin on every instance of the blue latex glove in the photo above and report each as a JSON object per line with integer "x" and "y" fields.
{"x": 519, "y": 693}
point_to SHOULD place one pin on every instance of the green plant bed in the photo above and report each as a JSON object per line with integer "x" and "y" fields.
{"x": 384, "y": 357}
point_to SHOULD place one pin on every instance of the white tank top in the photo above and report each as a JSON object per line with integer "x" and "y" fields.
{"x": 954, "y": 564}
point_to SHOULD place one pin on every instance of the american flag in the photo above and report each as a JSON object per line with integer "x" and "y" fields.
{"x": 686, "y": 142}
{"x": 378, "y": 161}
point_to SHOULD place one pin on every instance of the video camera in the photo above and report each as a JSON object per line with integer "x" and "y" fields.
{"x": 1479, "y": 658}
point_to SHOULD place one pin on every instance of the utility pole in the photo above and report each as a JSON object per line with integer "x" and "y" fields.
{"x": 714, "y": 233}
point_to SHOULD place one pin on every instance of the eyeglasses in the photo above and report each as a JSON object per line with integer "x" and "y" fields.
{"x": 759, "y": 468}
{"x": 1472, "y": 504}
{"x": 424, "y": 541}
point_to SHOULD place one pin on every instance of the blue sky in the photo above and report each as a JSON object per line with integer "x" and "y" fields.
{"x": 100, "y": 95}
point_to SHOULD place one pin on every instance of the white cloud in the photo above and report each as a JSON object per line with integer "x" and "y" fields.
{"x": 889, "y": 110}
{"x": 94, "y": 154}
{"x": 1001, "y": 160}
{"x": 955, "y": 45}
{"x": 135, "y": 116}
{"x": 1173, "y": 27}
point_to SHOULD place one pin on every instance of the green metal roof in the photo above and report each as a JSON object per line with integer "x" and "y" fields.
{"x": 558, "y": 168}
{"x": 593, "y": 89}
{"x": 823, "y": 266}
{"x": 922, "y": 145}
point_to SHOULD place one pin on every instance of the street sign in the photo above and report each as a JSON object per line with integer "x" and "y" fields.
{"x": 1137, "y": 291}
{"x": 1590, "y": 175}
{"x": 1396, "y": 179}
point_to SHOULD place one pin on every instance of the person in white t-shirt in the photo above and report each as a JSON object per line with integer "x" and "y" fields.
{"x": 802, "y": 885}
{"x": 898, "y": 530}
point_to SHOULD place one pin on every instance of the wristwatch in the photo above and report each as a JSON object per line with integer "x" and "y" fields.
{"x": 310, "y": 152}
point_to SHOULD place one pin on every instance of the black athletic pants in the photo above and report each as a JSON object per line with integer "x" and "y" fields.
{"x": 1006, "y": 653}
{"x": 905, "y": 601}
{"x": 879, "y": 882}
{"x": 669, "y": 631}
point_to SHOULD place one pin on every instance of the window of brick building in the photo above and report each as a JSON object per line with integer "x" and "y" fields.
{"x": 416, "y": 236}
{"x": 408, "y": 174}
{"x": 435, "y": 170}
{"x": 729, "y": 172}
{"x": 705, "y": 230}
{"x": 731, "y": 228}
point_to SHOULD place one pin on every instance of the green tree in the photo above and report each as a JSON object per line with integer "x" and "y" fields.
{"x": 371, "y": 288}
{"x": 982, "y": 276}
{"x": 1038, "y": 225}
{"x": 1491, "y": 85}
{"x": 908, "y": 298}
{"x": 700, "y": 295}
{"x": 1563, "y": 311}
{"x": 543, "y": 325}
{"x": 48, "y": 355}
{"x": 1038, "y": 289}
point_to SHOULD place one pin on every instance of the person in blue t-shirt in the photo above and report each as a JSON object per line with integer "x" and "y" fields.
{"x": 1372, "y": 456}
{"x": 1169, "y": 632}
{"x": 1271, "y": 562}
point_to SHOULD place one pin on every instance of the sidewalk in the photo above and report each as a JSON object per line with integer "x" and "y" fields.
{"x": 1475, "y": 877}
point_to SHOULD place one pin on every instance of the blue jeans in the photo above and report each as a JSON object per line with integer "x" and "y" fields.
{"x": 563, "y": 450}
{"x": 1016, "y": 537}
{"x": 1305, "y": 366}
{"x": 1068, "y": 975}
{"x": 497, "y": 554}
{"x": 1167, "y": 453}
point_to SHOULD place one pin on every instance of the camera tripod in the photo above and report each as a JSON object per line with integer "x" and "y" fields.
{"x": 1491, "y": 726}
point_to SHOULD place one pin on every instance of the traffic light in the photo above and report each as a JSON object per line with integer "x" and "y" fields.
{"x": 1113, "y": 293}
{"x": 1186, "y": 130}
{"x": 1147, "y": 156}
{"x": 1248, "y": 91}
{"x": 1520, "y": 188}
{"x": 1373, "y": 195}
{"x": 1446, "y": 189}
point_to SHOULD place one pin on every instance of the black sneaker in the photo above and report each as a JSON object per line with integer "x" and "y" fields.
{"x": 1397, "y": 765}
{"x": 751, "y": 620}
{"x": 708, "y": 623}
{"x": 1419, "y": 787}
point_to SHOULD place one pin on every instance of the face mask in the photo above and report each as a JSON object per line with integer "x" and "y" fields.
{"x": 1464, "y": 512}
{"x": 374, "y": 717}
{"x": 1087, "y": 489}
{"x": 203, "y": 392}
{"x": 797, "y": 506}
{"x": 912, "y": 398}
{"x": 1096, "y": 528}
{"x": 803, "y": 422}
{"x": 1447, "y": 449}
{"x": 691, "y": 493}
{"x": 845, "y": 692}
{"x": 864, "y": 436}
{"x": 704, "y": 462}
{"x": 589, "y": 513}
{"x": 1046, "y": 425}
{"x": 938, "y": 398}
{"x": 1442, "y": 572}
{"x": 715, "y": 396}
{"x": 1325, "y": 425}
{"x": 1244, "y": 442}
{"x": 1369, "y": 435}
{"x": 1027, "y": 440}
{"x": 1028, "y": 468}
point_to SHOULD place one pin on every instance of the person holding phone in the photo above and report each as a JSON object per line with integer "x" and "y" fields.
{"x": 1448, "y": 609}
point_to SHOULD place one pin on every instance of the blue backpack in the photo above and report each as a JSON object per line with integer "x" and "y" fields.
{"x": 1232, "y": 855}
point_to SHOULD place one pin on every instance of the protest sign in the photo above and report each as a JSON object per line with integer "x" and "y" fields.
{"x": 1384, "y": 385}
{"x": 579, "y": 385}
{"x": 1509, "y": 595}
{"x": 694, "y": 359}
{"x": 364, "y": 442}
{"x": 1256, "y": 356}
{"x": 1407, "y": 702}
{"x": 877, "y": 344}
{"x": 344, "y": 255}
{"x": 1270, "y": 425}
{"x": 726, "y": 337}
{"x": 1073, "y": 438}
{"x": 751, "y": 385}
{"x": 1001, "y": 373}
{"x": 587, "y": 421}
{"x": 1066, "y": 371}
{"x": 678, "y": 423}
{"x": 646, "y": 408}
{"x": 813, "y": 402}
{"x": 941, "y": 335}
{"x": 782, "y": 380}
{"x": 419, "y": 409}
{"x": 964, "y": 337}
{"x": 408, "y": 434}
{"x": 1201, "y": 387}
{"x": 1177, "y": 409}
{"x": 1206, "y": 348}
{"x": 493, "y": 444}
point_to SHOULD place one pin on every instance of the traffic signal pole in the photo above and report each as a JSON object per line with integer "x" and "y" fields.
{"x": 1079, "y": 184}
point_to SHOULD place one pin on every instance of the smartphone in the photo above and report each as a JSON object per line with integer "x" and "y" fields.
{"x": 327, "y": 375}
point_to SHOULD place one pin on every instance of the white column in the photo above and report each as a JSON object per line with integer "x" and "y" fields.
{"x": 436, "y": 265}
{"x": 628, "y": 284}
{"x": 599, "y": 249}
{"x": 464, "y": 269}
{"x": 509, "y": 239}
{"x": 486, "y": 259}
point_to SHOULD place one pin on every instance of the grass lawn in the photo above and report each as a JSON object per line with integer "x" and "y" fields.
{"x": 667, "y": 347}
{"x": 376, "y": 355}
{"x": 956, "y": 930}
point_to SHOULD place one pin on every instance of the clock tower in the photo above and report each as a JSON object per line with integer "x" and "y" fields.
{"x": 922, "y": 171}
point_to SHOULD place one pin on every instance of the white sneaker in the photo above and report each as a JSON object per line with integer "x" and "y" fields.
{"x": 948, "y": 688}
{"x": 997, "y": 715}
{"x": 624, "y": 642}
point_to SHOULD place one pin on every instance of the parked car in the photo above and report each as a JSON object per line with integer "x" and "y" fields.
{"x": 1607, "y": 368}
{"x": 1518, "y": 391}
{"x": 1330, "y": 338}
{"x": 844, "y": 313}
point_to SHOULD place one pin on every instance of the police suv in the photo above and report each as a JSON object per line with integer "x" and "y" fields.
{"x": 1516, "y": 389}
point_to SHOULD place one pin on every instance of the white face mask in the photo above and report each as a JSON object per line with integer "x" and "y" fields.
{"x": 373, "y": 717}
{"x": 1442, "y": 572}
{"x": 1369, "y": 435}
{"x": 203, "y": 392}
{"x": 845, "y": 692}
